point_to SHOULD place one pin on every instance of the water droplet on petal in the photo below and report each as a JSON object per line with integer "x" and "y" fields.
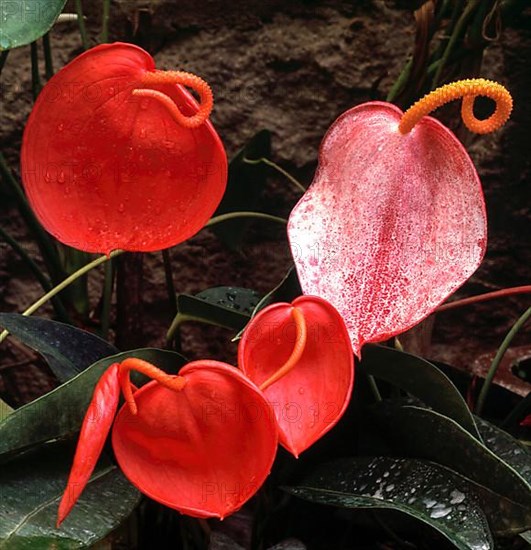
{"x": 440, "y": 511}
{"x": 430, "y": 503}
{"x": 456, "y": 497}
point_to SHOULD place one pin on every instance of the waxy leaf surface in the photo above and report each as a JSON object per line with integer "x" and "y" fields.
{"x": 423, "y": 433}
{"x": 420, "y": 378}
{"x": 68, "y": 350}
{"x": 223, "y": 306}
{"x": 23, "y": 21}
{"x": 426, "y": 491}
{"x": 31, "y": 488}
{"x": 391, "y": 225}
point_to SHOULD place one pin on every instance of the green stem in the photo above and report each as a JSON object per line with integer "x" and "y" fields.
{"x": 280, "y": 170}
{"x": 81, "y": 23}
{"x": 498, "y": 357}
{"x": 77, "y": 295}
{"x": 235, "y": 215}
{"x": 44, "y": 282}
{"x": 520, "y": 411}
{"x": 400, "y": 82}
{"x": 448, "y": 31}
{"x": 48, "y": 251}
{"x": 107, "y": 300}
{"x": 3, "y": 59}
{"x": 35, "y": 77}
{"x": 178, "y": 320}
{"x": 105, "y": 21}
{"x": 170, "y": 287}
{"x": 456, "y": 34}
{"x": 441, "y": 12}
{"x": 485, "y": 297}
{"x": 398, "y": 344}
{"x": 48, "y": 60}
{"x": 374, "y": 387}
{"x": 61, "y": 286}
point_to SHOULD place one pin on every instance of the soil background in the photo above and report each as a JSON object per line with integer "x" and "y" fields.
{"x": 293, "y": 68}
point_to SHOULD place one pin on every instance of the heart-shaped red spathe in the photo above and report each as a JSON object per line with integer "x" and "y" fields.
{"x": 392, "y": 224}
{"x": 104, "y": 169}
{"x": 310, "y": 399}
{"x": 204, "y": 450}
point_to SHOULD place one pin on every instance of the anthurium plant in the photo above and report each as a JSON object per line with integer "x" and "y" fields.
{"x": 311, "y": 416}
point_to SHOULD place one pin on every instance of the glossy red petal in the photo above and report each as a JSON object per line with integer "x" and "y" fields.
{"x": 310, "y": 399}
{"x": 94, "y": 431}
{"x": 204, "y": 450}
{"x": 104, "y": 169}
{"x": 392, "y": 224}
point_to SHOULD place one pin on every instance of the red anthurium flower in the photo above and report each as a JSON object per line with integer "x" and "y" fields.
{"x": 301, "y": 358}
{"x": 202, "y": 442}
{"x": 394, "y": 221}
{"x": 117, "y": 154}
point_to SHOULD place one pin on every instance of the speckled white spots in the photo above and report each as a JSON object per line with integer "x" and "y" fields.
{"x": 391, "y": 224}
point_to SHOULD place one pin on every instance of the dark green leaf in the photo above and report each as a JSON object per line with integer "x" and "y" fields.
{"x": 68, "y": 350}
{"x": 23, "y": 21}
{"x": 506, "y": 447}
{"x": 224, "y": 306}
{"x": 5, "y": 410}
{"x": 423, "y": 433}
{"x": 423, "y": 490}
{"x": 289, "y": 544}
{"x": 59, "y": 413}
{"x": 31, "y": 488}
{"x": 243, "y": 300}
{"x": 518, "y": 412}
{"x": 421, "y": 379}
{"x": 244, "y": 188}
{"x": 286, "y": 291}
{"x": 221, "y": 541}
{"x": 509, "y": 450}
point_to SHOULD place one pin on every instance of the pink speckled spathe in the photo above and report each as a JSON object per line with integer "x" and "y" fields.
{"x": 391, "y": 225}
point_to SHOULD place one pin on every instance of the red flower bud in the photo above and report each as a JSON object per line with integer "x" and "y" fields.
{"x": 300, "y": 356}
{"x": 96, "y": 426}
{"x": 119, "y": 155}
